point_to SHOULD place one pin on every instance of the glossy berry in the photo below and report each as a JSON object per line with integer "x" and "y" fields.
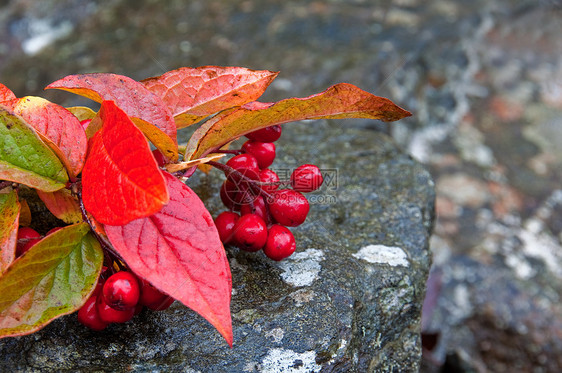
{"x": 270, "y": 179}
{"x": 267, "y": 134}
{"x": 160, "y": 159}
{"x": 258, "y": 207}
{"x": 27, "y": 237}
{"x": 154, "y": 298}
{"x": 121, "y": 290}
{"x": 233, "y": 195}
{"x": 250, "y": 233}
{"x": 306, "y": 178}
{"x": 264, "y": 152}
{"x": 280, "y": 243}
{"x": 288, "y": 207}
{"x": 109, "y": 314}
{"x": 225, "y": 223}
{"x": 246, "y": 164}
{"x": 53, "y": 230}
{"x": 88, "y": 315}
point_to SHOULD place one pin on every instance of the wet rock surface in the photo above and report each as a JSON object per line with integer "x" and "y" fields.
{"x": 349, "y": 299}
{"x": 481, "y": 78}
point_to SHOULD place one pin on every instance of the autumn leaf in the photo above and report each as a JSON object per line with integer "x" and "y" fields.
{"x": 146, "y": 109}
{"x": 6, "y": 93}
{"x": 178, "y": 250}
{"x": 54, "y": 278}
{"x": 82, "y": 112}
{"x": 121, "y": 180}
{"x": 62, "y": 204}
{"x": 9, "y": 217}
{"x": 57, "y": 127}
{"x": 339, "y": 101}
{"x": 24, "y": 157}
{"x": 195, "y": 93}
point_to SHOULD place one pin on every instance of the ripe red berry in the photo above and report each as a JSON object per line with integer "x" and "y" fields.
{"x": 267, "y": 134}
{"x": 109, "y": 314}
{"x": 121, "y": 290}
{"x": 53, "y": 230}
{"x": 270, "y": 177}
{"x": 154, "y": 298}
{"x": 27, "y": 237}
{"x": 160, "y": 159}
{"x": 280, "y": 243}
{"x": 288, "y": 207}
{"x": 88, "y": 315}
{"x": 250, "y": 233}
{"x": 306, "y": 178}
{"x": 246, "y": 164}
{"x": 225, "y": 222}
{"x": 264, "y": 152}
{"x": 257, "y": 207}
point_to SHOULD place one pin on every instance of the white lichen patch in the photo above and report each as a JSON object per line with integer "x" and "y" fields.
{"x": 301, "y": 269}
{"x": 281, "y": 360}
{"x": 277, "y": 334}
{"x": 390, "y": 255}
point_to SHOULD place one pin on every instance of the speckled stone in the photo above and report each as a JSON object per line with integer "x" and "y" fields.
{"x": 349, "y": 299}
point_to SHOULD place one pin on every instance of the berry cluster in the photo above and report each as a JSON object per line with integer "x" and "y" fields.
{"x": 259, "y": 212}
{"x": 119, "y": 297}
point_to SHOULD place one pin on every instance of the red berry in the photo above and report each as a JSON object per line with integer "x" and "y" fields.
{"x": 154, "y": 298}
{"x": 257, "y": 207}
{"x": 109, "y": 314}
{"x": 225, "y": 223}
{"x": 270, "y": 177}
{"x": 306, "y": 178}
{"x": 160, "y": 159}
{"x": 264, "y": 152}
{"x": 246, "y": 164}
{"x": 250, "y": 232}
{"x": 27, "y": 237}
{"x": 88, "y": 315}
{"x": 280, "y": 243}
{"x": 229, "y": 194}
{"x": 121, "y": 290}
{"x": 53, "y": 230}
{"x": 267, "y": 134}
{"x": 289, "y": 207}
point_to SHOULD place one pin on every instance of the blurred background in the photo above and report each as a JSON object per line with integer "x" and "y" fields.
{"x": 482, "y": 78}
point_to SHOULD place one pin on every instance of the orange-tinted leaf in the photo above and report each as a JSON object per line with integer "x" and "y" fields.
{"x": 82, "y": 112}
{"x": 25, "y": 213}
{"x": 339, "y": 101}
{"x": 57, "y": 127}
{"x": 121, "y": 180}
{"x": 6, "y": 93}
{"x": 179, "y": 251}
{"x": 24, "y": 157}
{"x": 195, "y": 93}
{"x": 146, "y": 109}
{"x": 63, "y": 205}
{"x": 54, "y": 278}
{"x": 9, "y": 217}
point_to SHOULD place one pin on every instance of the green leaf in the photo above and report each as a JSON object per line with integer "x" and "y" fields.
{"x": 54, "y": 278}
{"x": 9, "y": 219}
{"x": 24, "y": 158}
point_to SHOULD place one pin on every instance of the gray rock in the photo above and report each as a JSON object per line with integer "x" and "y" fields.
{"x": 349, "y": 299}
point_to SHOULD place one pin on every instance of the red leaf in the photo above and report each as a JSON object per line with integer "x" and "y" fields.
{"x": 58, "y": 128}
{"x": 146, "y": 109}
{"x": 339, "y": 101}
{"x": 6, "y": 93}
{"x": 179, "y": 251}
{"x": 121, "y": 180}
{"x": 195, "y": 93}
{"x": 62, "y": 204}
